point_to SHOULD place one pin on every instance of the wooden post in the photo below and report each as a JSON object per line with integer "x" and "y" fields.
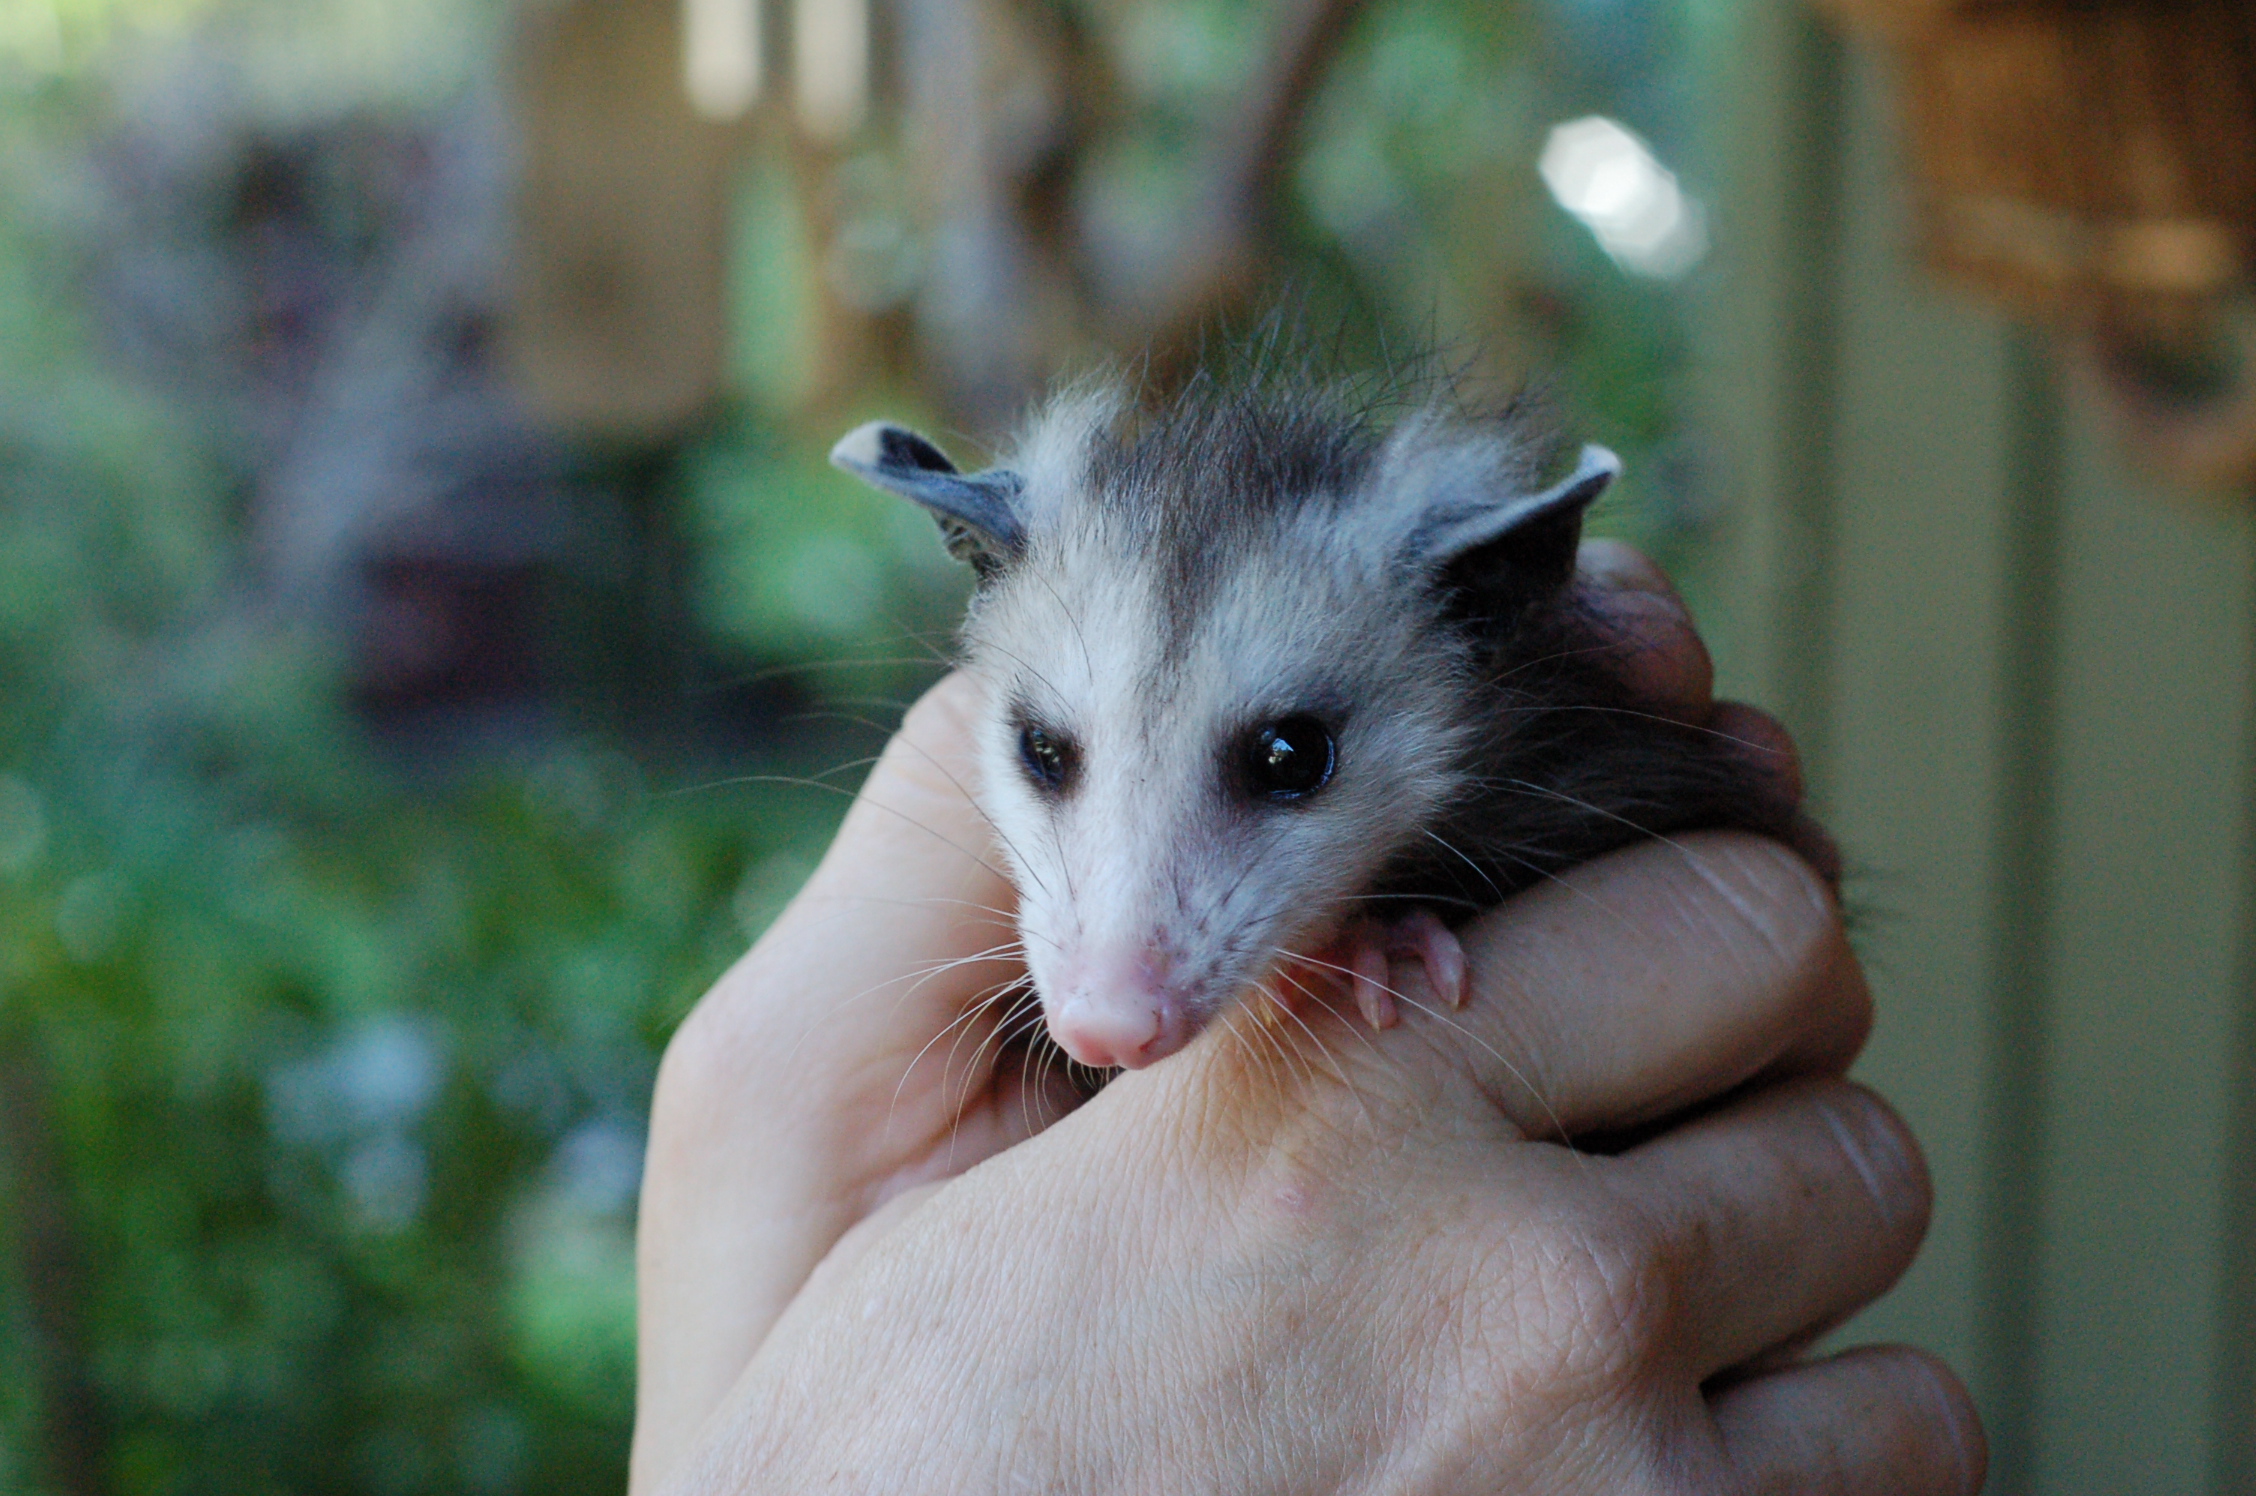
{"x": 622, "y": 217}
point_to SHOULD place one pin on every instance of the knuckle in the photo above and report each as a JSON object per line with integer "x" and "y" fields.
{"x": 1590, "y": 1303}
{"x": 689, "y": 1070}
{"x": 717, "y": 1049}
{"x": 1623, "y": 1281}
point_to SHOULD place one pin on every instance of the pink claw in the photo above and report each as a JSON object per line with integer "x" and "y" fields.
{"x": 1368, "y": 960}
{"x": 1423, "y": 935}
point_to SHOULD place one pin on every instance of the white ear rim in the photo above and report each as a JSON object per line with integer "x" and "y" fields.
{"x": 861, "y": 449}
{"x": 1594, "y": 471}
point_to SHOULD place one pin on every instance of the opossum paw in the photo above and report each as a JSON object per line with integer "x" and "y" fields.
{"x": 1424, "y": 936}
{"x": 1366, "y": 957}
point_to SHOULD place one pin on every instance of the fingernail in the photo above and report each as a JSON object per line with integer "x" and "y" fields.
{"x": 1876, "y": 1152}
{"x": 1966, "y": 1437}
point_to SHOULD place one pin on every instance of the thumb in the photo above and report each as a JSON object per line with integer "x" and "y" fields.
{"x": 792, "y": 1099}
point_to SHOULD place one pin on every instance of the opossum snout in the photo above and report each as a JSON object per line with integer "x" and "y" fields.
{"x": 1119, "y": 1009}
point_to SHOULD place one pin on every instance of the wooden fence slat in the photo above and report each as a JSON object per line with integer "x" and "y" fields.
{"x": 2016, "y": 995}
{"x": 1767, "y": 386}
{"x": 2154, "y": 722}
{"x": 622, "y": 223}
{"x": 2232, "y": 1449}
{"x": 1922, "y": 484}
{"x": 2029, "y": 685}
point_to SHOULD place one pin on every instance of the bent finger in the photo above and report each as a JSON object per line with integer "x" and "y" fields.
{"x": 1781, "y": 1215}
{"x": 1877, "y": 1421}
{"x": 1652, "y": 981}
{"x": 1762, "y": 739}
{"x": 1662, "y": 656}
{"x": 868, "y": 968}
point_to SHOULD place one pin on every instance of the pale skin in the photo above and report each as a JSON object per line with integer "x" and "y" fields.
{"x": 1292, "y": 1259}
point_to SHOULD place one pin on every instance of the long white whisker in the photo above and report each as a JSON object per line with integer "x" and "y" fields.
{"x": 1478, "y": 870}
{"x": 973, "y": 801}
{"x": 1339, "y": 1072}
{"x": 968, "y": 1016}
{"x": 1557, "y": 1122}
{"x": 1318, "y": 999}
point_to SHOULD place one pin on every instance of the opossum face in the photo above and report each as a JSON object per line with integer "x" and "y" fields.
{"x": 1223, "y": 696}
{"x": 1189, "y": 787}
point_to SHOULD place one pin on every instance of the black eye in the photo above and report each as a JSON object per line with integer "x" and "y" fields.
{"x": 1049, "y": 757}
{"x": 1289, "y": 759}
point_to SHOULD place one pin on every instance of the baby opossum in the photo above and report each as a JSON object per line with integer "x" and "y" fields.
{"x": 1270, "y": 684}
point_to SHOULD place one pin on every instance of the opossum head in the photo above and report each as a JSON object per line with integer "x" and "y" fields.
{"x": 1227, "y": 650}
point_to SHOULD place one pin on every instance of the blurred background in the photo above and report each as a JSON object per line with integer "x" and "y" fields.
{"x": 432, "y": 644}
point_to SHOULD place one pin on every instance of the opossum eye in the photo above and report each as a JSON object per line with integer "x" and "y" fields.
{"x": 1050, "y": 758}
{"x": 1289, "y": 759}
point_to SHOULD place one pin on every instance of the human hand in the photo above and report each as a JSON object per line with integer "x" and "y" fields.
{"x": 1285, "y": 1261}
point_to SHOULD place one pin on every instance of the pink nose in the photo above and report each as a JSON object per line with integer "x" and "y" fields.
{"x": 1107, "y": 1034}
{"x": 1120, "y": 1014}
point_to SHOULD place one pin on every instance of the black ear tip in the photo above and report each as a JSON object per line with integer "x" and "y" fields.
{"x": 904, "y": 448}
{"x": 881, "y": 446}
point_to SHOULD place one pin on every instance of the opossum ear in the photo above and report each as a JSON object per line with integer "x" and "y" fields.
{"x": 1522, "y": 546}
{"x": 978, "y": 512}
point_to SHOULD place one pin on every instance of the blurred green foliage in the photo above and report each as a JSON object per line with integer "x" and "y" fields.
{"x": 338, "y": 1076}
{"x": 794, "y": 565}
{"x": 347, "y": 1096}
{"x": 322, "y": 1077}
{"x": 321, "y": 1081}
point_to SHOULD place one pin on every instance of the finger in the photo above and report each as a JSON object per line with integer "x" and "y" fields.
{"x": 867, "y": 1003}
{"x": 1651, "y": 981}
{"x": 1763, "y": 740}
{"x": 1662, "y": 657}
{"x": 1877, "y": 1421}
{"x": 743, "y": 1195}
{"x": 1781, "y": 1215}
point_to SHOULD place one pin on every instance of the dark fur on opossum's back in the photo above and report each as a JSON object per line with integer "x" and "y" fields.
{"x": 1575, "y": 765}
{"x": 1571, "y": 763}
